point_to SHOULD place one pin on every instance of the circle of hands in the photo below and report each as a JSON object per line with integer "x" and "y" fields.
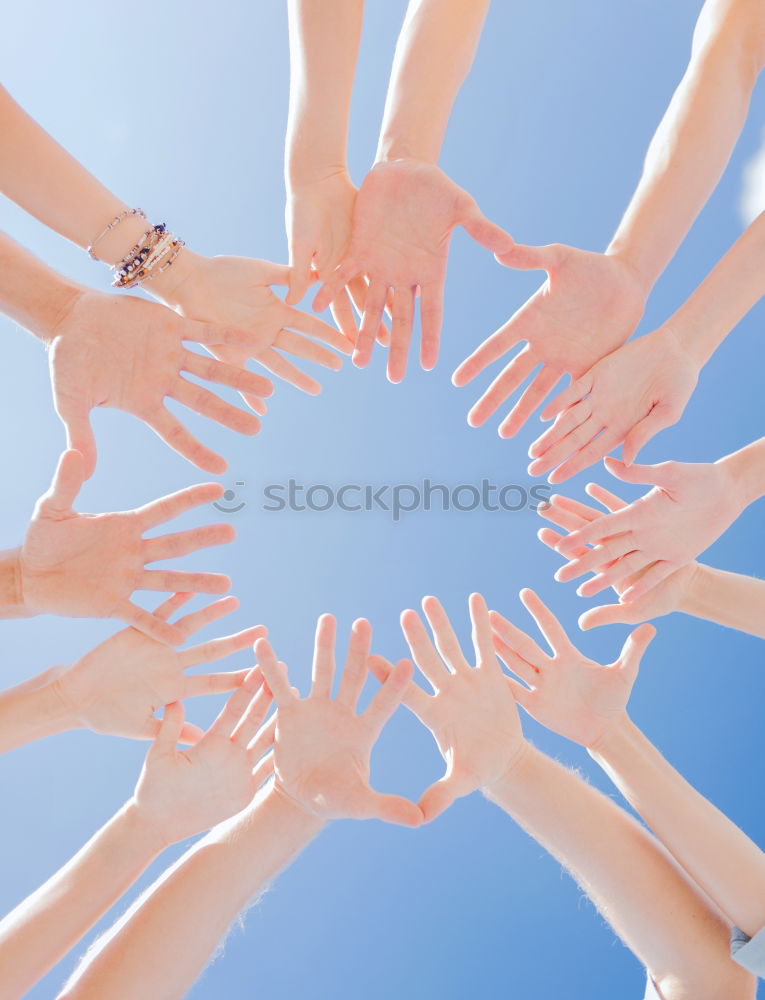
{"x": 377, "y": 251}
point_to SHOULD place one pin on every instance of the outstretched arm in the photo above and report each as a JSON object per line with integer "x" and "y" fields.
{"x": 729, "y": 599}
{"x": 177, "y": 796}
{"x": 321, "y": 767}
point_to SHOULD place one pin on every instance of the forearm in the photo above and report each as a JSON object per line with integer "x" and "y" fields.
{"x": 715, "y": 853}
{"x": 42, "y": 178}
{"x": 695, "y": 139}
{"x": 729, "y": 599}
{"x": 33, "y": 710}
{"x": 746, "y": 468}
{"x": 324, "y": 44}
{"x": 11, "y": 592}
{"x": 724, "y": 297}
{"x": 31, "y": 293}
{"x": 653, "y": 907}
{"x": 42, "y": 929}
{"x": 434, "y": 54}
{"x": 165, "y": 940}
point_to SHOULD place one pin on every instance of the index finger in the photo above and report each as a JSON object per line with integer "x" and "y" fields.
{"x": 172, "y": 506}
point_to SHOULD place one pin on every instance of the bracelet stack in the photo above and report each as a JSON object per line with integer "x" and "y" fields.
{"x": 154, "y": 253}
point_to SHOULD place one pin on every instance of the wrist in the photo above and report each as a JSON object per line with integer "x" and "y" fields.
{"x": 292, "y": 811}
{"x": 145, "y": 834}
{"x": 615, "y": 740}
{"x": 643, "y": 276}
{"x": 745, "y": 474}
{"x": 395, "y": 150}
{"x": 167, "y": 287}
{"x": 306, "y": 171}
{"x": 611, "y": 731}
{"x": 694, "y": 598}
{"x": 12, "y": 604}
{"x": 515, "y": 770}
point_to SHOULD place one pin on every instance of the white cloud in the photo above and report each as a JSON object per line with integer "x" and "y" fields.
{"x": 752, "y": 200}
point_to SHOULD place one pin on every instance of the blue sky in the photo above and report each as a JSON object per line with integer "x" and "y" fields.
{"x": 548, "y": 133}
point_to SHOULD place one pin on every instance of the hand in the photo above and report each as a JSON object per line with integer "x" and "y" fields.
{"x": 575, "y": 697}
{"x": 590, "y": 304}
{"x": 627, "y": 397}
{"x": 322, "y": 747}
{"x": 472, "y": 714}
{"x": 236, "y": 290}
{"x": 403, "y": 220}
{"x": 88, "y": 565}
{"x": 110, "y": 350}
{"x": 183, "y": 792}
{"x": 689, "y": 507}
{"x": 117, "y": 687}
{"x": 663, "y": 599}
{"x": 318, "y": 219}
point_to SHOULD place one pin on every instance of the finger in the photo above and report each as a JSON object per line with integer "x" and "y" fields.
{"x": 276, "y": 678}
{"x": 503, "y": 386}
{"x": 355, "y": 669}
{"x": 518, "y": 641}
{"x": 604, "y": 497}
{"x": 499, "y": 343}
{"x": 79, "y": 435}
{"x": 67, "y": 482}
{"x": 415, "y": 699}
{"x": 194, "y": 583}
{"x": 190, "y": 734}
{"x": 424, "y": 654}
{"x": 565, "y": 423}
{"x": 343, "y": 274}
{"x": 288, "y": 372}
{"x": 176, "y": 436}
{"x": 370, "y": 323}
{"x": 613, "y": 575}
{"x": 193, "y": 622}
{"x": 522, "y": 257}
{"x": 217, "y": 649}
{"x": 300, "y": 277}
{"x": 569, "y": 445}
{"x": 149, "y": 624}
{"x": 594, "y": 559}
{"x": 552, "y": 539}
{"x": 613, "y": 614}
{"x": 438, "y": 797}
{"x": 446, "y": 640}
{"x": 264, "y": 740}
{"x": 574, "y": 392}
{"x": 392, "y": 809}
{"x": 656, "y": 420}
{"x": 481, "y": 634}
{"x": 182, "y": 543}
{"x": 634, "y": 648}
{"x": 204, "y": 684}
{"x": 525, "y": 670}
{"x": 648, "y": 475}
{"x": 541, "y": 385}
{"x": 228, "y": 717}
{"x": 546, "y": 621}
{"x": 602, "y": 527}
{"x": 431, "y": 319}
{"x": 388, "y": 698}
{"x": 207, "y": 404}
{"x": 323, "y": 666}
{"x": 301, "y": 347}
{"x": 565, "y": 519}
{"x": 401, "y": 333}
{"x": 170, "y": 728}
{"x": 593, "y": 452}
{"x": 169, "y": 507}
{"x": 296, "y": 319}
{"x": 223, "y": 373}
{"x": 658, "y": 572}
{"x": 343, "y": 315}
{"x": 253, "y": 717}
{"x": 263, "y": 771}
{"x": 582, "y": 513}
{"x": 168, "y": 608}
{"x": 485, "y": 232}
{"x": 214, "y": 336}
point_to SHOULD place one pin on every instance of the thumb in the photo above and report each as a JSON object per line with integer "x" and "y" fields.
{"x": 609, "y": 614}
{"x": 438, "y": 797}
{"x": 528, "y": 258}
{"x": 67, "y": 481}
{"x": 632, "y": 652}
{"x": 640, "y": 475}
{"x": 171, "y": 728}
{"x": 80, "y": 437}
{"x": 485, "y": 232}
{"x": 300, "y": 277}
{"x": 393, "y": 809}
{"x": 643, "y": 431}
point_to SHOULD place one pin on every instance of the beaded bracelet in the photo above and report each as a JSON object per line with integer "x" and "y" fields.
{"x": 152, "y": 255}
{"x": 115, "y": 222}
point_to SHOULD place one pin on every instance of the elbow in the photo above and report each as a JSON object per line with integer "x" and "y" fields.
{"x": 731, "y": 982}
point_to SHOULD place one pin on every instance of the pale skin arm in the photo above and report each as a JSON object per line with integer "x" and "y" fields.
{"x": 321, "y": 768}
{"x": 647, "y": 899}
{"x": 177, "y": 796}
{"x": 729, "y": 599}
